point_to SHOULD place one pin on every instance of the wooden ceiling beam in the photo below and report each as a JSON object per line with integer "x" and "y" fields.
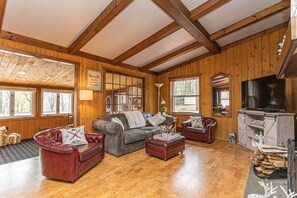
{"x": 177, "y": 10}
{"x": 109, "y": 13}
{"x": 251, "y": 19}
{"x": 164, "y": 32}
{"x": 206, "y": 8}
{"x": 2, "y": 11}
{"x": 171, "y": 56}
{"x": 42, "y": 44}
{"x": 246, "y": 39}
{"x": 33, "y": 42}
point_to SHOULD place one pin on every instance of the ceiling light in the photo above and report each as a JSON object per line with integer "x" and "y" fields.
{"x": 25, "y": 55}
{"x": 22, "y": 73}
{"x": 49, "y": 60}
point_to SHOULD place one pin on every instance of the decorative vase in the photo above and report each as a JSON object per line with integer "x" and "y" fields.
{"x": 163, "y": 113}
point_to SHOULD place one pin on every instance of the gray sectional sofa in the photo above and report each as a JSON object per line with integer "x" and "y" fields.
{"x": 120, "y": 142}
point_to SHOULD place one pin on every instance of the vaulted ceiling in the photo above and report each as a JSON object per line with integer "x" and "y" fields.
{"x": 149, "y": 35}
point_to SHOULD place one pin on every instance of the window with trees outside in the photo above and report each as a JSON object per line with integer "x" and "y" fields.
{"x": 185, "y": 95}
{"x": 123, "y": 93}
{"x": 16, "y": 102}
{"x": 57, "y": 102}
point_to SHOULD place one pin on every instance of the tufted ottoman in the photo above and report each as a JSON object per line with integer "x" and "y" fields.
{"x": 165, "y": 149}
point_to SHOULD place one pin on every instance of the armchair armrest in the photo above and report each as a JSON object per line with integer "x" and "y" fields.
{"x": 95, "y": 137}
{"x": 186, "y": 123}
{"x": 107, "y": 126}
{"x": 58, "y": 147}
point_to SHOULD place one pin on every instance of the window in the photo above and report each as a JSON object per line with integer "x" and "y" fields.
{"x": 185, "y": 95}
{"x": 123, "y": 93}
{"x": 57, "y": 102}
{"x": 224, "y": 98}
{"x": 16, "y": 102}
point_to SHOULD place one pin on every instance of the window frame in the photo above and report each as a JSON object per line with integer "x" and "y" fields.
{"x": 172, "y": 80}
{"x": 12, "y": 91}
{"x": 58, "y": 92}
{"x": 129, "y": 97}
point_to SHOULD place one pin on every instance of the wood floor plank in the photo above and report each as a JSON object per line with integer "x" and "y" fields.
{"x": 212, "y": 170}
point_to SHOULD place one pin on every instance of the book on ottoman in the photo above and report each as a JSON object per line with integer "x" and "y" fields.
{"x": 14, "y": 138}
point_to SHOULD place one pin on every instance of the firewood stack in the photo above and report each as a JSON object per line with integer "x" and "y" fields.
{"x": 267, "y": 163}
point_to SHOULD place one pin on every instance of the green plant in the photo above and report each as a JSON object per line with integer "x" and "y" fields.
{"x": 164, "y": 109}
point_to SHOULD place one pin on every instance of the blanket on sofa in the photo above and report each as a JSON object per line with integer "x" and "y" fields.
{"x": 135, "y": 119}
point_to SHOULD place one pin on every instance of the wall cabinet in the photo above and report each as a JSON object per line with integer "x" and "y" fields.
{"x": 258, "y": 126}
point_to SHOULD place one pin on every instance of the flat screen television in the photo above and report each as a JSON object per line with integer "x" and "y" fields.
{"x": 266, "y": 94}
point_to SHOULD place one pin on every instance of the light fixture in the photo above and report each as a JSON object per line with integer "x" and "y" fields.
{"x": 22, "y": 73}
{"x": 158, "y": 85}
{"x": 163, "y": 101}
{"x": 85, "y": 95}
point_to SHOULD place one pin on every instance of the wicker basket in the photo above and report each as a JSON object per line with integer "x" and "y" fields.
{"x": 3, "y": 139}
{"x": 14, "y": 138}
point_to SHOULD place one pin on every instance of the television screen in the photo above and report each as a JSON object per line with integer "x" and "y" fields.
{"x": 267, "y": 93}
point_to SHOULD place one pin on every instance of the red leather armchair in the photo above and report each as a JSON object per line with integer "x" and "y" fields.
{"x": 205, "y": 134}
{"x": 67, "y": 162}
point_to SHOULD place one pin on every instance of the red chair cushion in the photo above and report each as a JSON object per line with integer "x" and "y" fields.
{"x": 197, "y": 130}
{"x": 88, "y": 151}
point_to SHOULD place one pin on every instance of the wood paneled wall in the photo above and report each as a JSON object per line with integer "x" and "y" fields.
{"x": 86, "y": 111}
{"x": 250, "y": 58}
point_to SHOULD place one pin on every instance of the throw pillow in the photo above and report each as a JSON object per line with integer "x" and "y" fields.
{"x": 196, "y": 122}
{"x": 117, "y": 120}
{"x": 74, "y": 136}
{"x": 156, "y": 119}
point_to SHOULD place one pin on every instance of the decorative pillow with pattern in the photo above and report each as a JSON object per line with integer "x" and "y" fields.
{"x": 117, "y": 120}
{"x": 196, "y": 121}
{"x": 74, "y": 136}
{"x": 156, "y": 119}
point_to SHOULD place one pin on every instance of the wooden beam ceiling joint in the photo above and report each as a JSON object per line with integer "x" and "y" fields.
{"x": 251, "y": 19}
{"x": 177, "y": 10}
{"x": 106, "y": 16}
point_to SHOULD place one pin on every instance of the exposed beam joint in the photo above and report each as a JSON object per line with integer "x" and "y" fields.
{"x": 164, "y": 32}
{"x": 177, "y": 10}
{"x": 206, "y": 8}
{"x": 246, "y": 39}
{"x": 109, "y": 13}
{"x": 2, "y": 11}
{"x": 251, "y": 19}
{"x": 171, "y": 56}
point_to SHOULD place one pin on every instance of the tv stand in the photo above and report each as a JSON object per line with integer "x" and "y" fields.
{"x": 272, "y": 128}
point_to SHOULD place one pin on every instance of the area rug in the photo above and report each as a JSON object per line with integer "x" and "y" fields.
{"x": 24, "y": 150}
{"x": 253, "y": 186}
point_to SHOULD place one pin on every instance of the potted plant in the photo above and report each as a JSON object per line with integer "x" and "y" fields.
{"x": 164, "y": 110}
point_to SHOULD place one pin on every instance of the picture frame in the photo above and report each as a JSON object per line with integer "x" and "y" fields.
{"x": 94, "y": 80}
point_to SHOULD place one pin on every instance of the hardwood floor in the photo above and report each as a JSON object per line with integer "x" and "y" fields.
{"x": 204, "y": 170}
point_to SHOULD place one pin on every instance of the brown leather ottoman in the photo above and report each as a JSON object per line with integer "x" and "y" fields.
{"x": 165, "y": 149}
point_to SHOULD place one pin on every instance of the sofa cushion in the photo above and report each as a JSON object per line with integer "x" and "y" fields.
{"x": 88, "y": 151}
{"x": 74, "y": 136}
{"x": 156, "y": 119}
{"x": 117, "y": 120}
{"x": 120, "y": 116}
{"x": 196, "y": 130}
{"x": 135, "y": 135}
{"x": 196, "y": 121}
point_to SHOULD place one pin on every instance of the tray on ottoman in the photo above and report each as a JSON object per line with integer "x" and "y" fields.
{"x": 165, "y": 149}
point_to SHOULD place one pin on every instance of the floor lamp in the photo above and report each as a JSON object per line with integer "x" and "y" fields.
{"x": 85, "y": 95}
{"x": 158, "y": 85}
